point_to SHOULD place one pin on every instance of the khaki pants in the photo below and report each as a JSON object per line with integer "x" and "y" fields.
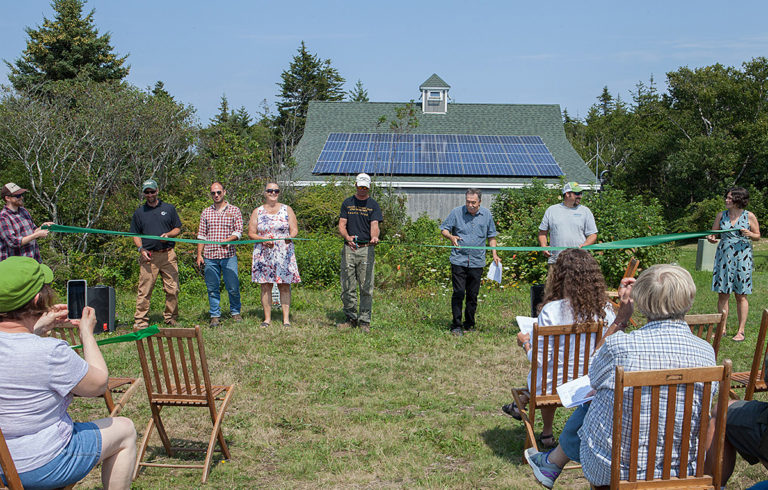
{"x": 163, "y": 263}
{"x": 357, "y": 271}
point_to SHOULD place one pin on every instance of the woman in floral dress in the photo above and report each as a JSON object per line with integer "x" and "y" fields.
{"x": 274, "y": 261}
{"x": 732, "y": 272}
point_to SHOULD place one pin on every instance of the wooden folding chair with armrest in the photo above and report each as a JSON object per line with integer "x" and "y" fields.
{"x": 117, "y": 385}
{"x": 176, "y": 374}
{"x": 752, "y": 380}
{"x": 709, "y": 327}
{"x": 674, "y": 427}
{"x": 551, "y": 338}
{"x": 9, "y": 468}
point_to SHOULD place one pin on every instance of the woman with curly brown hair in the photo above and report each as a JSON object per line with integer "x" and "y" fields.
{"x": 574, "y": 293}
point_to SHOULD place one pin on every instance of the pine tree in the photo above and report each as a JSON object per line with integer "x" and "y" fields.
{"x": 358, "y": 93}
{"x": 65, "y": 48}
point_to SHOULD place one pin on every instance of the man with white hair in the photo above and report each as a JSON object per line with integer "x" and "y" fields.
{"x": 359, "y": 220}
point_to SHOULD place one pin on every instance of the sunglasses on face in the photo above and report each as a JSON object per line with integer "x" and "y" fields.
{"x": 272, "y": 191}
{"x": 216, "y": 193}
{"x": 150, "y": 191}
{"x": 577, "y": 193}
{"x": 18, "y": 196}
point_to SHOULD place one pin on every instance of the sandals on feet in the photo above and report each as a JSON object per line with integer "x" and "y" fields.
{"x": 739, "y": 337}
{"x": 548, "y": 441}
{"x": 264, "y": 324}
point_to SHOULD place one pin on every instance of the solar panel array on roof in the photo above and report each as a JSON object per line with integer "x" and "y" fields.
{"x": 436, "y": 154}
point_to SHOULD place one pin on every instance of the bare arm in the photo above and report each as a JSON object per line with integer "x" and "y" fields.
{"x": 374, "y": 232}
{"x": 590, "y": 240}
{"x": 453, "y": 238}
{"x": 293, "y": 225}
{"x": 172, "y": 234}
{"x": 625, "y": 309}
{"x": 543, "y": 242}
{"x": 716, "y": 226}
{"x": 95, "y": 381}
{"x": 754, "y": 228}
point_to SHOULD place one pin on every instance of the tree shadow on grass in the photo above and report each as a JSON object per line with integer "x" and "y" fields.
{"x": 506, "y": 442}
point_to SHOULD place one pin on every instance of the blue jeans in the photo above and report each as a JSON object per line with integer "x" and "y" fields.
{"x": 569, "y": 437}
{"x": 214, "y": 269}
{"x": 72, "y": 464}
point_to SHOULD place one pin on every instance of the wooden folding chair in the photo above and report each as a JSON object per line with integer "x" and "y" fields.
{"x": 9, "y": 468}
{"x": 752, "y": 380}
{"x": 674, "y": 425}
{"x": 122, "y": 386}
{"x": 709, "y": 327}
{"x": 551, "y": 338}
{"x": 176, "y": 374}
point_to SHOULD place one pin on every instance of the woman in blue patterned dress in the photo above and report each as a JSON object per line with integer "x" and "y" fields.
{"x": 732, "y": 272}
{"x": 274, "y": 262}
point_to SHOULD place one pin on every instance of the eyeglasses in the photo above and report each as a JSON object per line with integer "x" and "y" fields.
{"x": 272, "y": 191}
{"x": 18, "y": 196}
{"x": 362, "y": 187}
{"x": 150, "y": 191}
{"x": 216, "y": 193}
{"x": 577, "y": 193}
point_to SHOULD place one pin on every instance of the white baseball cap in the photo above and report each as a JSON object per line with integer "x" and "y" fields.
{"x": 363, "y": 180}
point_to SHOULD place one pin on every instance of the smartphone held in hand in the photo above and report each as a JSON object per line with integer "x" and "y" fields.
{"x": 77, "y": 292}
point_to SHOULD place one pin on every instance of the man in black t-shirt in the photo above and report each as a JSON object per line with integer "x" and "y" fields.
{"x": 157, "y": 218}
{"x": 359, "y": 227}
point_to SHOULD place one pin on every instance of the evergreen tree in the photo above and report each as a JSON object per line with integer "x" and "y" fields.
{"x": 308, "y": 78}
{"x": 65, "y": 48}
{"x": 358, "y": 93}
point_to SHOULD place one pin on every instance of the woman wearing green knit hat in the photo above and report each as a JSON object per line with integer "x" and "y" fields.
{"x": 38, "y": 377}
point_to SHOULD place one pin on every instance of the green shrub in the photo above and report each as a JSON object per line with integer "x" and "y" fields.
{"x": 319, "y": 259}
{"x": 518, "y": 213}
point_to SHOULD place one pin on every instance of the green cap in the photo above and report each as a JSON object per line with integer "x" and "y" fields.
{"x": 572, "y": 187}
{"x": 21, "y": 278}
{"x": 148, "y": 184}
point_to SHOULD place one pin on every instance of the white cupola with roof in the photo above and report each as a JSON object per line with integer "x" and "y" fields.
{"x": 434, "y": 95}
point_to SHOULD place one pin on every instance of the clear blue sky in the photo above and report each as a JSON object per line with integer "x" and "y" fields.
{"x": 548, "y": 52}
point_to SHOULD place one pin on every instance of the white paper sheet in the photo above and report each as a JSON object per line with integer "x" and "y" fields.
{"x": 494, "y": 272}
{"x": 526, "y": 324}
{"x": 576, "y": 392}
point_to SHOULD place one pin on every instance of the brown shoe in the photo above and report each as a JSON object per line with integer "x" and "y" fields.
{"x": 237, "y": 318}
{"x": 172, "y": 323}
{"x": 214, "y": 322}
{"x": 347, "y": 324}
{"x": 365, "y": 327}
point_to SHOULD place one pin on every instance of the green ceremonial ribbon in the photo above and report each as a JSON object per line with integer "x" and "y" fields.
{"x": 129, "y": 337}
{"x": 646, "y": 241}
{"x": 77, "y": 229}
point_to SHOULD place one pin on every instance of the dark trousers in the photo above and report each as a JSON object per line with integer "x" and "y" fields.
{"x": 466, "y": 282}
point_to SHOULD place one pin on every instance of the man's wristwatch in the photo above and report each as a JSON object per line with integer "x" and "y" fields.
{"x": 140, "y": 249}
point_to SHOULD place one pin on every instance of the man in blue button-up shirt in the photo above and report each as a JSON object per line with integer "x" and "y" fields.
{"x": 468, "y": 226}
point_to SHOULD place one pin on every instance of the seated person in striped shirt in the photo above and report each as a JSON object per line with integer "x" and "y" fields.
{"x": 220, "y": 222}
{"x": 664, "y": 294}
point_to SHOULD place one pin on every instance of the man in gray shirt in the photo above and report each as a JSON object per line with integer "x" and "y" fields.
{"x": 569, "y": 224}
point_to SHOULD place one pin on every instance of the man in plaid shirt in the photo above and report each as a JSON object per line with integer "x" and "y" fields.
{"x": 664, "y": 294}
{"x": 18, "y": 233}
{"x": 221, "y": 222}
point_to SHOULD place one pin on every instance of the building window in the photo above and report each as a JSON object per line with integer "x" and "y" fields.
{"x": 435, "y": 95}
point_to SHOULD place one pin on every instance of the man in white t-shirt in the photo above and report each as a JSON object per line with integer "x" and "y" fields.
{"x": 568, "y": 224}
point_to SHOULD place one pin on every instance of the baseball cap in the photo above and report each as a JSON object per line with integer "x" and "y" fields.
{"x": 148, "y": 184}
{"x": 21, "y": 278}
{"x": 572, "y": 187}
{"x": 10, "y": 189}
{"x": 363, "y": 180}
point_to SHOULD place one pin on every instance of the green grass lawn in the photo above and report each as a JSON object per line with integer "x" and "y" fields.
{"x": 407, "y": 405}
